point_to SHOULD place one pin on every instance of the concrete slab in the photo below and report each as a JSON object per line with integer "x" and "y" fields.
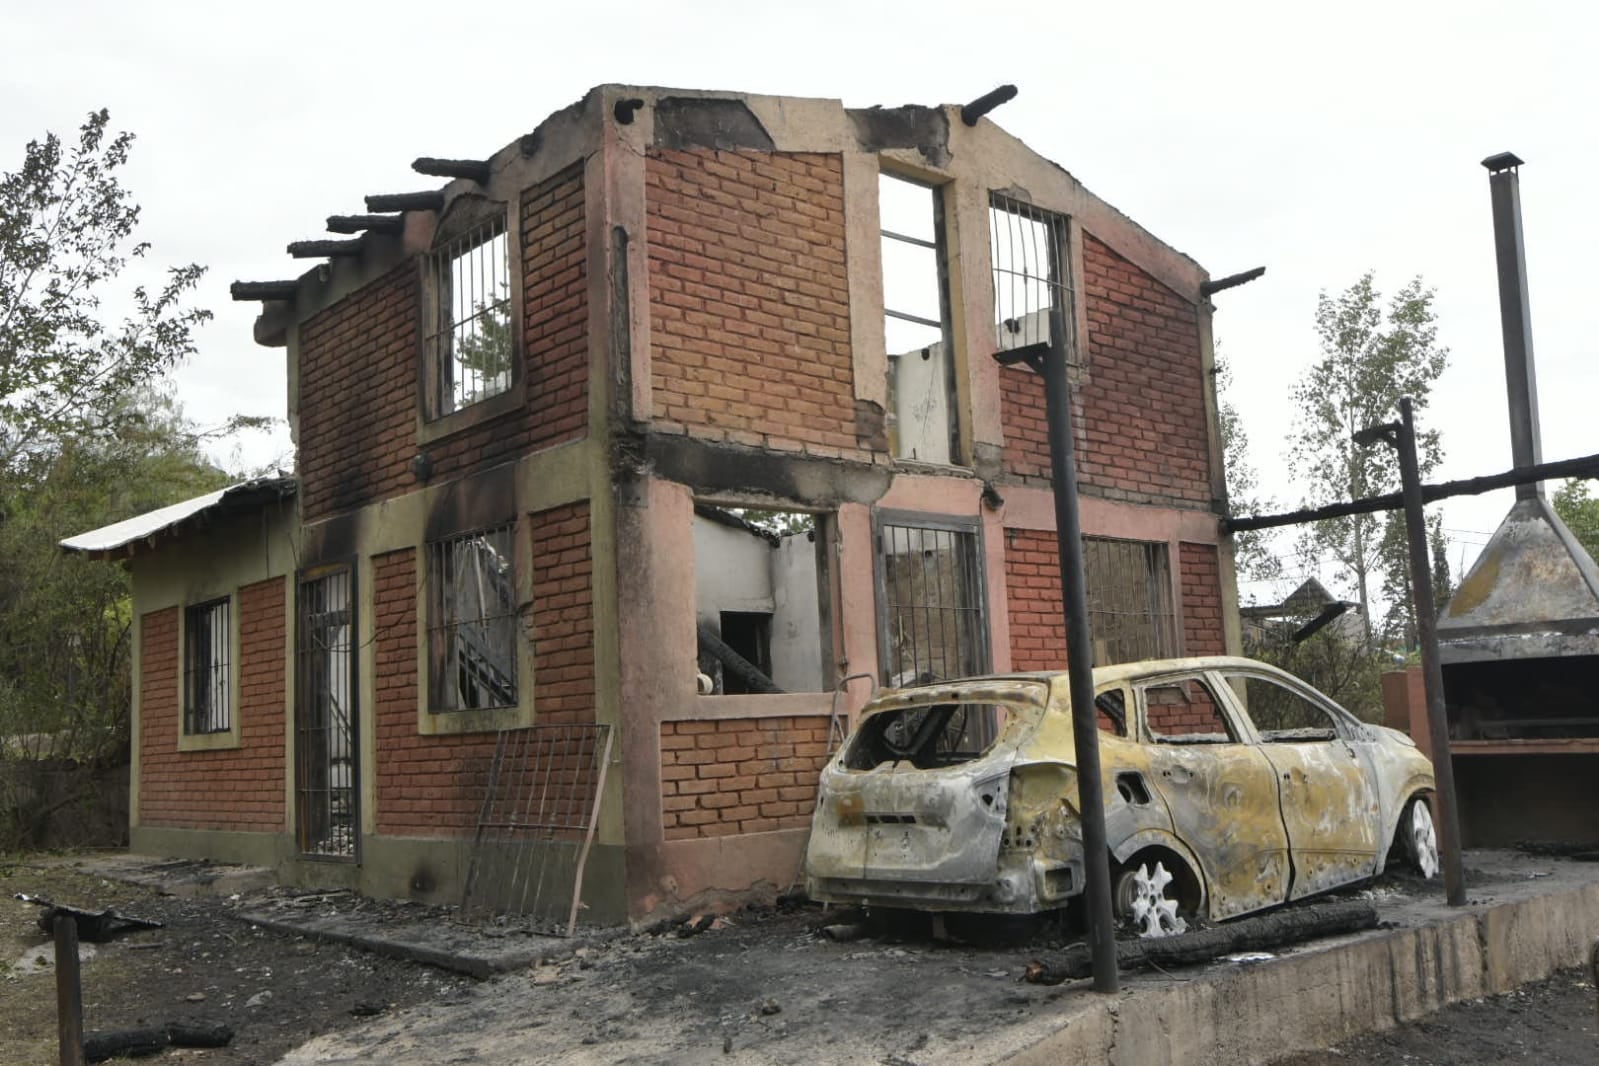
{"x": 766, "y": 990}
{"x": 435, "y": 939}
{"x": 175, "y": 877}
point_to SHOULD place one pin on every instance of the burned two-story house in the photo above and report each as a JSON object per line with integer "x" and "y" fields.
{"x": 674, "y": 426}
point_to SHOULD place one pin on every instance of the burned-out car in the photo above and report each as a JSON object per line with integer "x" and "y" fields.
{"x": 1229, "y": 786}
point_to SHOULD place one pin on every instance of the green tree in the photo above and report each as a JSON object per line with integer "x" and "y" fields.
{"x": 1399, "y": 625}
{"x": 66, "y": 236}
{"x": 1254, "y": 555}
{"x": 66, "y": 621}
{"x": 1579, "y": 510}
{"x": 1371, "y": 354}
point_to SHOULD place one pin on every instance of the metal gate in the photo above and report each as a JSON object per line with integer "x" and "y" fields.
{"x": 325, "y": 752}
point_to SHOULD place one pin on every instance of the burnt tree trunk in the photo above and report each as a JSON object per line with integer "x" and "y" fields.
{"x": 1278, "y": 929}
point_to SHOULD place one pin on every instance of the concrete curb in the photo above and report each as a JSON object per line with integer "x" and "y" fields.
{"x": 1333, "y": 992}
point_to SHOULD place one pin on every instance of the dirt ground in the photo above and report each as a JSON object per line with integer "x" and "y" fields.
{"x": 761, "y": 986}
{"x": 276, "y": 991}
{"x": 1553, "y": 1021}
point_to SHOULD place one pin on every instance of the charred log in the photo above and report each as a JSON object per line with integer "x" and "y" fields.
{"x": 734, "y": 663}
{"x": 1278, "y": 929}
{"x": 123, "y": 1043}
{"x": 138, "y": 1043}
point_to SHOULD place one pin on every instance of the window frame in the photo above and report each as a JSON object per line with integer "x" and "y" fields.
{"x": 1059, "y": 254}
{"x": 433, "y": 628}
{"x": 823, "y": 536}
{"x": 982, "y": 635}
{"x": 353, "y": 569}
{"x": 470, "y": 216}
{"x": 1160, "y": 581}
{"x": 1070, "y": 258}
{"x": 940, "y": 247}
{"x": 229, "y": 736}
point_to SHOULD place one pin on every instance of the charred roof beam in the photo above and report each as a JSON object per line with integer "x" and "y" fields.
{"x": 319, "y": 249}
{"x": 1211, "y": 286}
{"x": 430, "y": 200}
{"x": 974, "y": 111}
{"x": 471, "y": 169}
{"x": 263, "y": 290}
{"x": 366, "y": 223}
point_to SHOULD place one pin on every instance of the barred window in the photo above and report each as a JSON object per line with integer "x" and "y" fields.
{"x": 1032, "y": 279}
{"x": 472, "y": 621}
{"x": 1130, "y": 608}
{"x": 932, "y": 597}
{"x": 467, "y": 345}
{"x": 207, "y": 642}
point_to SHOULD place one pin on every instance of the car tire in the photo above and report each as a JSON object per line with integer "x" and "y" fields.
{"x": 1418, "y": 837}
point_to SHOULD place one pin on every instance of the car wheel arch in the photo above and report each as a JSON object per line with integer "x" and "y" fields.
{"x": 1156, "y": 840}
{"x": 1417, "y": 787}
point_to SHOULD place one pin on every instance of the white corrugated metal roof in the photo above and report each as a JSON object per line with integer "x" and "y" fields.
{"x": 108, "y": 539}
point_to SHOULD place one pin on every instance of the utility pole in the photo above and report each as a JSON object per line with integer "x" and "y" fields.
{"x": 1402, "y": 436}
{"x": 1049, "y": 363}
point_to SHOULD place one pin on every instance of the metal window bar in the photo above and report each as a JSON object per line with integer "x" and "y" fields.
{"x": 472, "y": 631}
{"x": 325, "y": 735}
{"x": 540, "y": 810}
{"x": 932, "y": 605}
{"x": 207, "y": 654}
{"x": 1130, "y": 605}
{"x": 468, "y": 347}
{"x": 1032, "y": 273}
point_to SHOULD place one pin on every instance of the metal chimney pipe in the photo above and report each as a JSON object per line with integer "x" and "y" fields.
{"x": 1515, "y": 317}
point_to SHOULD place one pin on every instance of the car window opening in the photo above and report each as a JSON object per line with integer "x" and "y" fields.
{"x": 1184, "y": 712}
{"x": 928, "y": 736}
{"x": 1111, "y": 708}
{"x": 1281, "y": 715}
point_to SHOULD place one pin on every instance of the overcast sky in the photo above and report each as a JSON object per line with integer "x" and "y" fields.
{"x": 1317, "y": 140}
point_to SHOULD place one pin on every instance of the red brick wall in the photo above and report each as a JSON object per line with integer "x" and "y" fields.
{"x": 1032, "y": 591}
{"x": 740, "y": 775}
{"x": 359, "y": 362}
{"x": 433, "y": 785}
{"x": 749, "y": 299}
{"x": 1140, "y": 413}
{"x": 1200, "y": 576}
{"x": 357, "y": 396}
{"x": 426, "y": 785}
{"x": 231, "y": 788}
{"x": 563, "y": 614}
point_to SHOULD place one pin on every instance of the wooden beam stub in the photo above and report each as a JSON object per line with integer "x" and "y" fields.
{"x": 263, "y": 290}
{"x": 318, "y": 249}
{"x": 366, "y": 223}
{"x": 431, "y": 200}
{"x": 471, "y": 169}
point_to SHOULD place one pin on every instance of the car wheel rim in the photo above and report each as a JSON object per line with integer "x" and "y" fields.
{"x": 1424, "y": 839}
{"x": 1150, "y": 910}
